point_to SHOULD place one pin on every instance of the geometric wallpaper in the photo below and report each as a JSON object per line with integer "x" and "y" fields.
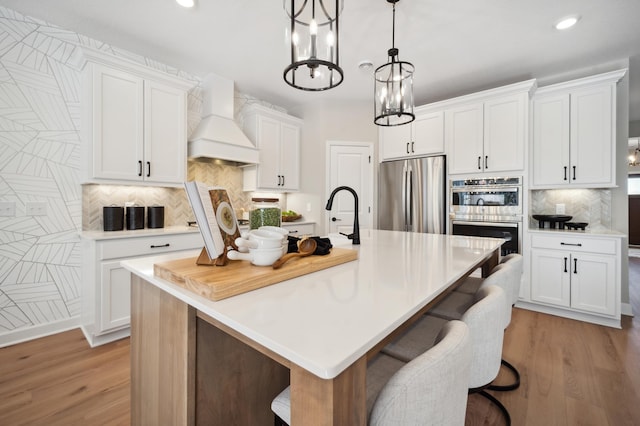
{"x": 40, "y": 162}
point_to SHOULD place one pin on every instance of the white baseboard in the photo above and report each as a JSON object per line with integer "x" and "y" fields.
{"x": 105, "y": 338}
{"x": 24, "y": 334}
{"x": 625, "y": 309}
{"x": 567, "y": 313}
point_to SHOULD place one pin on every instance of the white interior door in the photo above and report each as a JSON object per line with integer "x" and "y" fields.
{"x": 350, "y": 164}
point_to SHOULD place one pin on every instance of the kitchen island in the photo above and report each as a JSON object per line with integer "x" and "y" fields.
{"x": 195, "y": 361}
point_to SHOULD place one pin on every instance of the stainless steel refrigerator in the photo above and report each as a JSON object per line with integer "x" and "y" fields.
{"x": 412, "y": 195}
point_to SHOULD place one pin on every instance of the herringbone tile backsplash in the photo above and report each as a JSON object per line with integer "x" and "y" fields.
{"x": 585, "y": 205}
{"x": 176, "y": 206}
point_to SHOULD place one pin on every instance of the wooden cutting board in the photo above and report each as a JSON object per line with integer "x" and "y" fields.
{"x": 240, "y": 276}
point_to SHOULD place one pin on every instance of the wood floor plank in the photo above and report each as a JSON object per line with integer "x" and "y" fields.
{"x": 572, "y": 373}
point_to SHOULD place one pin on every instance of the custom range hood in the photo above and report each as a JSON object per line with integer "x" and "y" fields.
{"x": 218, "y": 136}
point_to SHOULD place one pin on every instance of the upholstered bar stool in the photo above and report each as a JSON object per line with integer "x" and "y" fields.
{"x": 429, "y": 390}
{"x": 456, "y": 303}
{"x": 515, "y": 261}
{"x": 485, "y": 319}
{"x": 508, "y": 275}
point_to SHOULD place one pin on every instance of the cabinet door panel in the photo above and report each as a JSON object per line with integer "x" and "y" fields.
{"x": 117, "y": 124}
{"x": 593, "y": 283}
{"x": 115, "y": 296}
{"x": 463, "y": 130}
{"x": 428, "y": 133}
{"x": 504, "y": 133}
{"x": 395, "y": 141}
{"x": 165, "y": 136}
{"x": 549, "y": 281}
{"x": 591, "y": 136}
{"x": 290, "y": 157}
{"x": 550, "y": 162}
{"x": 269, "y": 144}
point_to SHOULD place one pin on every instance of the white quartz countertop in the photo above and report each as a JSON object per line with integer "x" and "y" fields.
{"x": 326, "y": 320}
{"x": 592, "y": 232}
{"x": 107, "y": 235}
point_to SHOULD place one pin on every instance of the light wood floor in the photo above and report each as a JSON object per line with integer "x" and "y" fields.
{"x": 573, "y": 373}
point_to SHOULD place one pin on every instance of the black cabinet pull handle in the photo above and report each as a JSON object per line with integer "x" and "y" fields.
{"x": 282, "y": 180}
{"x": 148, "y": 168}
{"x": 159, "y": 246}
{"x": 479, "y": 166}
{"x": 139, "y": 168}
{"x": 486, "y": 162}
{"x": 565, "y": 172}
{"x": 334, "y": 219}
{"x": 571, "y": 244}
{"x": 565, "y": 264}
{"x": 279, "y": 180}
{"x": 407, "y": 147}
{"x": 412, "y": 147}
{"x": 575, "y": 266}
{"x": 574, "y": 172}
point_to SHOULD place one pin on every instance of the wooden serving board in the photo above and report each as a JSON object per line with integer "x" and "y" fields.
{"x": 240, "y": 276}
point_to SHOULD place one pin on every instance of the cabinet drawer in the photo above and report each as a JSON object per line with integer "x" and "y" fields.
{"x": 298, "y": 230}
{"x": 148, "y": 245}
{"x": 575, "y": 243}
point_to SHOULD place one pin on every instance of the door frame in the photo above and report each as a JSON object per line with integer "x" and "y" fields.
{"x": 373, "y": 184}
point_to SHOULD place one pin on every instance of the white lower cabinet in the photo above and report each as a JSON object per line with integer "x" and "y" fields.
{"x": 579, "y": 274}
{"x": 106, "y": 291}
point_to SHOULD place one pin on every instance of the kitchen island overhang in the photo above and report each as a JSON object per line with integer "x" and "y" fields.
{"x": 317, "y": 329}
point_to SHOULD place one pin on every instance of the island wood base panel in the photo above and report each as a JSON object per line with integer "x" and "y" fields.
{"x": 186, "y": 369}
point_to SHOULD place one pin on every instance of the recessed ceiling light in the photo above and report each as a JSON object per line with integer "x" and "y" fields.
{"x": 566, "y": 23}
{"x": 185, "y": 3}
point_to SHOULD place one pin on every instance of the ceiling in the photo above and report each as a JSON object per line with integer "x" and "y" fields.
{"x": 457, "y": 46}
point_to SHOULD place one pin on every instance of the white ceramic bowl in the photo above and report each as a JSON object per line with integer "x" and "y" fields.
{"x": 261, "y": 239}
{"x": 258, "y": 256}
{"x": 277, "y": 229}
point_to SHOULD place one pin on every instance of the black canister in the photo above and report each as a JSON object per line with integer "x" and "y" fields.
{"x": 155, "y": 217}
{"x": 113, "y": 218}
{"x": 135, "y": 217}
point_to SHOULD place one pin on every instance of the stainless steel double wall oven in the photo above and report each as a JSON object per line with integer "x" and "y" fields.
{"x": 488, "y": 207}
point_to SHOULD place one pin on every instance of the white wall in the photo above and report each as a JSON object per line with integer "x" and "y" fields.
{"x": 634, "y": 129}
{"x": 342, "y": 121}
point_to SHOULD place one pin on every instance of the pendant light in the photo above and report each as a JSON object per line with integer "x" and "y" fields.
{"x": 314, "y": 44}
{"x": 393, "y": 91}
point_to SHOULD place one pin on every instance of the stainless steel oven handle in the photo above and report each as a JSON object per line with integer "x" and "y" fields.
{"x": 498, "y": 224}
{"x": 482, "y": 189}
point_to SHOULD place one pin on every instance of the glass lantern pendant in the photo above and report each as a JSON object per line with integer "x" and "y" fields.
{"x": 393, "y": 91}
{"x": 313, "y": 40}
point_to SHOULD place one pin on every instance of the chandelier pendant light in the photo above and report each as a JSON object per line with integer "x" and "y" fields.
{"x": 314, "y": 43}
{"x": 393, "y": 90}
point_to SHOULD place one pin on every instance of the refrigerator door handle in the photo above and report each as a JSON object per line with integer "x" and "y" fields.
{"x": 409, "y": 191}
{"x": 404, "y": 195}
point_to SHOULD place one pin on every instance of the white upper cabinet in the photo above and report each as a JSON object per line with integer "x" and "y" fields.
{"x": 134, "y": 123}
{"x": 277, "y": 136}
{"x": 486, "y": 132}
{"x": 464, "y": 135}
{"x": 574, "y": 136}
{"x": 423, "y": 136}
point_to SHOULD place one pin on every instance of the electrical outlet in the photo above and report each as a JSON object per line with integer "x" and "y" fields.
{"x": 7, "y": 208}
{"x": 308, "y": 207}
{"x": 36, "y": 209}
{"x": 559, "y": 208}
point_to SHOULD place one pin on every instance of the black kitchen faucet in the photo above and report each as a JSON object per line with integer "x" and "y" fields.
{"x": 355, "y": 236}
